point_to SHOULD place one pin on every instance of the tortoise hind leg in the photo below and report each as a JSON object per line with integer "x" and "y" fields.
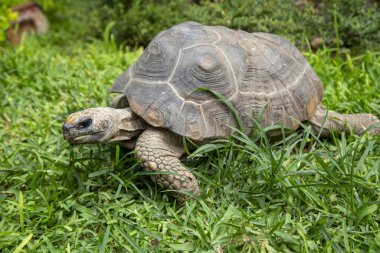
{"x": 160, "y": 149}
{"x": 325, "y": 122}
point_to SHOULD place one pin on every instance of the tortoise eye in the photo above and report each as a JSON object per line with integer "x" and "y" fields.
{"x": 84, "y": 124}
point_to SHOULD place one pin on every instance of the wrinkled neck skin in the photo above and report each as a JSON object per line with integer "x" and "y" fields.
{"x": 128, "y": 144}
{"x": 126, "y": 128}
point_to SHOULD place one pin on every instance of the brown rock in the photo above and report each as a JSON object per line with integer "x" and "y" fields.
{"x": 30, "y": 20}
{"x": 316, "y": 43}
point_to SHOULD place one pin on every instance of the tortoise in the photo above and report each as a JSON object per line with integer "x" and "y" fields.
{"x": 160, "y": 99}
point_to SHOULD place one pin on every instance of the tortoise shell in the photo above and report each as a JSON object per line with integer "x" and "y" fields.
{"x": 259, "y": 73}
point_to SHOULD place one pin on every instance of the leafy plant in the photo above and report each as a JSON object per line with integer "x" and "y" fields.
{"x": 137, "y": 21}
{"x": 6, "y": 16}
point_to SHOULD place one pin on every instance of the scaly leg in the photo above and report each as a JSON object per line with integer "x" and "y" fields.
{"x": 326, "y": 121}
{"x": 160, "y": 149}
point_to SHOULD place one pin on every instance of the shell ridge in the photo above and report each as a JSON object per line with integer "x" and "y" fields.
{"x": 176, "y": 65}
{"x": 277, "y": 46}
{"x": 230, "y": 67}
{"x": 179, "y": 114}
{"x": 204, "y": 120}
{"x": 170, "y": 85}
{"x": 275, "y": 89}
{"x": 294, "y": 103}
{"x": 217, "y": 34}
{"x": 121, "y": 82}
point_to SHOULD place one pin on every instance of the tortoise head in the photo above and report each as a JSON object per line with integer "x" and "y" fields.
{"x": 102, "y": 125}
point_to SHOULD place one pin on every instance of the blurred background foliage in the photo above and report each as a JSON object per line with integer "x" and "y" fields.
{"x": 354, "y": 23}
{"x": 351, "y": 24}
{"x": 6, "y": 16}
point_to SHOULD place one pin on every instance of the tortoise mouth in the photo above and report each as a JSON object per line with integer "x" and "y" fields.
{"x": 81, "y": 139}
{"x": 86, "y": 136}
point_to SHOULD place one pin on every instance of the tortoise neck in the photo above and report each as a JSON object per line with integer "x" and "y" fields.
{"x": 128, "y": 125}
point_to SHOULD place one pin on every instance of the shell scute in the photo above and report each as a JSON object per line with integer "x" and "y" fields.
{"x": 218, "y": 119}
{"x": 190, "y": 34}
{"x": 156, "y": 103}
{"x": 202, "y": 66}
{"x": 191, "y": 121}
{"x": 158, "y": 60}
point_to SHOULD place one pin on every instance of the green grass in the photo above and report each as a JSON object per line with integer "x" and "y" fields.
{"x": 299, "y": 194}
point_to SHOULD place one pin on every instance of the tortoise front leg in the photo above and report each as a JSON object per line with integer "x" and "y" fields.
{"x": 160, "y": 149}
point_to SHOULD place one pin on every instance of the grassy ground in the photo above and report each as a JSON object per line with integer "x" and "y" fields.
{"x": 300, "y": 194}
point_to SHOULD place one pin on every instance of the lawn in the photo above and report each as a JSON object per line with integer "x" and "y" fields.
{"x": 299, "y": 194}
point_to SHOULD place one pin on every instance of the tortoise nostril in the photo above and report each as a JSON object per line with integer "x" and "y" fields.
{"x": 65, "y": 128}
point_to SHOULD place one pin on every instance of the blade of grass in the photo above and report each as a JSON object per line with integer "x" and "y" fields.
{"x": 21, "y": 210}
{"x": 226, "y": 102}
{"x": 23, "y": 243}
{"x": 129, "y": 240}
{"x": 105, "y": 239}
